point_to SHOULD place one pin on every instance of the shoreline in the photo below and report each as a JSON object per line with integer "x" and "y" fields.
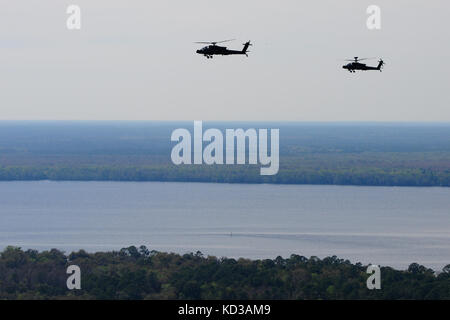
{"x": 226, "y": 183}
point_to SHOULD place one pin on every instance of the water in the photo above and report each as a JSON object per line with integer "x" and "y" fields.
{"x": 392, "y": 226}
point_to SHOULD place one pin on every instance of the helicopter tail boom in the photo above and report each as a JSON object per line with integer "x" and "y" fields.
{"x": 380, "y": 64}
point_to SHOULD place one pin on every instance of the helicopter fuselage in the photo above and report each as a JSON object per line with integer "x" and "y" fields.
{"x": 211, "y": 50}
{"x": 351, "y": 67}
{"x": 218, "y": 50}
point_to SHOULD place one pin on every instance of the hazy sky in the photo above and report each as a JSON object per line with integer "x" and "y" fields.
{"x": 136, "y": 60}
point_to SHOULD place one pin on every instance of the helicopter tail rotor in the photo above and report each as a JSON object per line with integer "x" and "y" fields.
{"x": 246, "y": 45}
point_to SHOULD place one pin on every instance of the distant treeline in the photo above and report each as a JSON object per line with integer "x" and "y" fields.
{"x": 137, "y": 273}
{"x": 344, "y": 154}
{"x": 234, "y": 174}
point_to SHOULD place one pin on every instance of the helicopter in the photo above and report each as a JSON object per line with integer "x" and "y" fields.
{"x": 214, "y": 49}
{"x": 356, "y": 65}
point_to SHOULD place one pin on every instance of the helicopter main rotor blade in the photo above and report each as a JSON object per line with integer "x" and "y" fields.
{"x": 358, "y": 59}
{"x": 214, "y": 42}
{"x": 225, "y": 41}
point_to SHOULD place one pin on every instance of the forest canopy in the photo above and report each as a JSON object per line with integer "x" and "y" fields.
{"x": 139, "y": 273}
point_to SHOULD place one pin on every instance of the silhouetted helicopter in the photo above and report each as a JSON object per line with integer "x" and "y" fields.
{"x": 356, "y": 65}
{"x": 214, "y": 49}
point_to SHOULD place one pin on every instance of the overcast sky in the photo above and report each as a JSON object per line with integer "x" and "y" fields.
{"x": 136, "y": 60}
